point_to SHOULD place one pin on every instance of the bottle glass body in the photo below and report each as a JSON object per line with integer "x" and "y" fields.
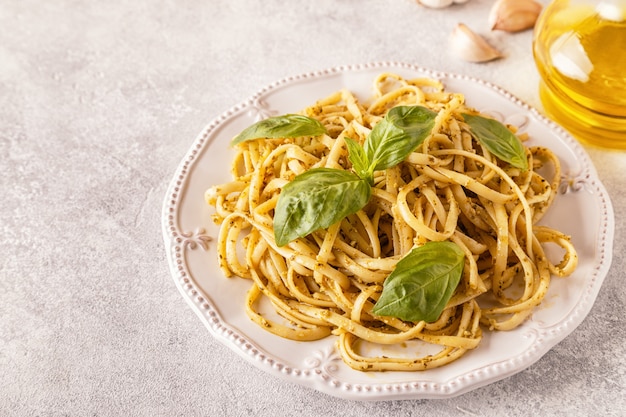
{"x": 580, "y": 51}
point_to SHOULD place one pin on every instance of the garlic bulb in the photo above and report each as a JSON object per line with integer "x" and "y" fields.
{"x": 470, "y": 46}
{"x": 514, "y": 15}
{"x": 439, "y": 4}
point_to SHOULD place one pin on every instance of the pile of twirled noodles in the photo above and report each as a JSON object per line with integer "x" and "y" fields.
{"x": 450, "y": 189}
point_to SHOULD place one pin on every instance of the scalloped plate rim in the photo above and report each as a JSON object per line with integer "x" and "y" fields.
{"x": 316, "y": 377}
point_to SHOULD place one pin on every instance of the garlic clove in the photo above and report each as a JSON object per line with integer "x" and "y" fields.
{"x": 514, "y": 15}
{"x": 470, "y": 46}
{"x": 439, "y": 4}
{"x": 436, "y": 4}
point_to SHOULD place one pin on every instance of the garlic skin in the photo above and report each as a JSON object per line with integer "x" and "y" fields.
{"x": 514, "y": 15}
{"x": 440, "y": 4}
{"x": 471, "y": 47}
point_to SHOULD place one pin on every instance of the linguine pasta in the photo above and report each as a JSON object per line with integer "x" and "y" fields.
{"x": 451, "y": 188}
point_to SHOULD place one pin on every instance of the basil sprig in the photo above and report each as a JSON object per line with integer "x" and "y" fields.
{"x": 321, "y": 197}
{"x": 286, "y": 126}
{"x": 397, "y": 135}
{"x": 359, "y": 160}
{"x": 316, "y": 199}
{"x": 498, "y": 140}
{"x": 422, "y": 283}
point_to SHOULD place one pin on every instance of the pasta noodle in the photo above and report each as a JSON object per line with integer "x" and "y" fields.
{"x": 450, "y": 189}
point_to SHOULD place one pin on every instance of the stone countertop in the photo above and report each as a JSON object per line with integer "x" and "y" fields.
{"x": 99, "y": 102}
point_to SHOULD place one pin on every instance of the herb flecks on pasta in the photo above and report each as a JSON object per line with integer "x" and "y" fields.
{"x": 408, "y": 219}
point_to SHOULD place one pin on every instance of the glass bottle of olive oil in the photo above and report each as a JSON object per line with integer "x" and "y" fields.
{"x": 580, "y": 51}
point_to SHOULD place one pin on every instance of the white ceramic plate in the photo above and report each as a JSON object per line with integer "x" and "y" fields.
{"x": 582, "y": 209}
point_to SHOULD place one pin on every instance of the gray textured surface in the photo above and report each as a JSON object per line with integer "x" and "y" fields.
{"x": 99, "y": 101}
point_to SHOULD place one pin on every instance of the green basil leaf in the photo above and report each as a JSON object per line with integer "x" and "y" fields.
{"x": 422, "y": 283}
{"x": 499, "y": 140}
{"x": 398, "y": 134}
{"x": 316, "y": 199}
{"x": 286, "y": 126}
{"x": 359, "y": 160}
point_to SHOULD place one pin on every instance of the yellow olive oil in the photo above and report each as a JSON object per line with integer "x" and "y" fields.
{"x": 580, "y": 53}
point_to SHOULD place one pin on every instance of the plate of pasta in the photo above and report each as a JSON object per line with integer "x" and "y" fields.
{"x": 385, "y": 231}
